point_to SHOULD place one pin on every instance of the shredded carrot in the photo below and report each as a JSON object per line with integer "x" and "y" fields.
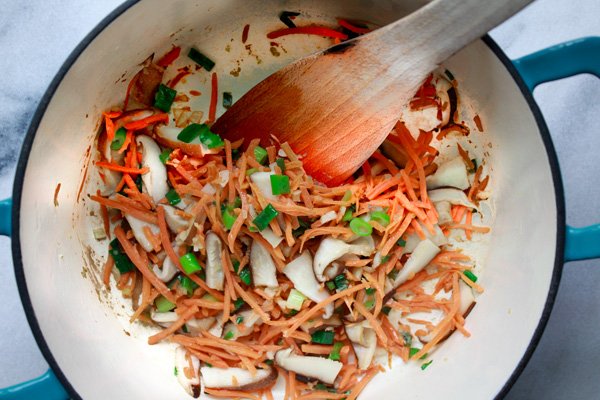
{"x": 120, "y": 168}
{"x": 352, "y": 27}
{"x": 145, "y": 122}
{"x": 168, "y": 58}
{"x": 362, "y": 384}
{"x": 308, "y": 30}
{"x": 214, "y": 96}
{"x": 108, "y": 266}
{"x": 229, "y": 394}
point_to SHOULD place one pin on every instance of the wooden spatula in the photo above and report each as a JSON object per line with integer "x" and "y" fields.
{"x": 336, "y": 107}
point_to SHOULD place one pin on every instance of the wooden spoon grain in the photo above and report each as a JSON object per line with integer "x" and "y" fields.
{"x": 336, "y": 107}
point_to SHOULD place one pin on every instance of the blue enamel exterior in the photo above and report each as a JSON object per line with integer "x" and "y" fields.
{"x": 45, "y": 387}
{"x": 561, "y": 61}
{"x": 5, "y": 217}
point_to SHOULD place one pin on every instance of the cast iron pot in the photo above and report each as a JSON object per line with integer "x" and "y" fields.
{"x": 83, "y": 339}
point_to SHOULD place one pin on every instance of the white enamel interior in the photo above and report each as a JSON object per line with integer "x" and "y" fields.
{"x": 86, "y": 337}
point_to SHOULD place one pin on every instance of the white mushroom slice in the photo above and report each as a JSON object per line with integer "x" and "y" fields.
{"x": 365, "y": 352}
{"x": 467, "y": 300}
{"x": 356, "y": 332}
{"x": 420, "y": 257}
{"x": 223, "y": 178}
{"x": 167, "y": 136}
{"x": 208, "y": 189}
{"x": 271, "y": 237}
{"x": 237, "y": 378}
{"x": 111, "y": 178}
{"x": 331, "y": 249}
{"x": 155, "y": 181}
{"x": 413, "y": 240}
{"x": 196, "y": 326}
{"x": 214, "y": 268}
{"x": 453, "y": 196}
{"x": 300, "y": 272}
{"x": 188, "y": 378}
{"x": 217, "y": 328}
{"x": 452, "y": 173}
{"x": 249, "y": 319}
{"x": 264, "y": 272}
{"x": 137, "y": 226}
{"x": 443, "y": 208}
{"x": 323, "y": 369}
{"x": 262, "y": 180}
{"x": 175, "y": 221}
{"x": 164, "y": 319}
{"x": 167, "y": 272}
{"x": 424, "y": 119}
{"x": 328, "y": 216}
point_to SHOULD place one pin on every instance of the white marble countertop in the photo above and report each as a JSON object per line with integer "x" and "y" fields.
{"x": 37, "y": 35}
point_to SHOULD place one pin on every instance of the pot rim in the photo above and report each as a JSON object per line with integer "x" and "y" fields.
{"x": 103, "y": 24}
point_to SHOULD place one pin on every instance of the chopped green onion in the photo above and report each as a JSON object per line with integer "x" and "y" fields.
{"x": 138, "y": 182}
{"x": 189, "y": 133}
{"x": 187, "y": 284}
{"x": 185, "y": 329}
{"x": 425, "y": 365}
{"x": 295, "y": 300}
{"x": 301, "y": 229}
{"x": 203, "y": 132}
{"x": 164, "y": 98}
{"x": 239, "y": 320}
{"x": 228, "y": 336}
{"x": 173, "y": 197}
{"x": 281, "y": 164}
{"x": 190, "y": 263}
{"x": 237, "y": 202}
{"x": 119, "y": 139}
{"x": 414, "y": 351}
{"x": 165, "y": 155}
{"x": 470, "y": 275}
{"x": 122, "y": 261}
{"x": 291, "y": 313}
{"x": 280, "y": 184}
{"x": 407, "y": 338}
{"x": 323, "y": 337}
{"x": 381, "y": 218}
{"x": 348, "y": 213}
{"x": 228, "y": 218}
{"x": 401, "y": 242}
{"x": 263, "y": 219}
{"x": 335, "y": 353}
{"x": 361, "y": 227}
{"x": 209, "y": 297}
{"x": 201, "y": 59}
{"x": 250, "y": 171}
{"x": 269, "y": 362}
{"x": 227, "y": 99}
{"x": 393, "y": 274}
{"x": 209, "y": 365}
{"x": 164, "y": 305}
{"x": 246, "y": 276}
{"x": 385, "y": 259}
{"x": 237, "y": 304}
{"x": 175, "y": 371}
{"x": 347, "y": 195}
{"x": 236, "y": 265}
{"x": 260, "y": 154}
{"x": 340, "y": 282}
{"x": 286, "y": 18}
{"x": 330, "y": 285}
{"x": 474, "y": 161}
{"x": 235, "y": 154}
{"x": 369, "y": 304}
{"x": 369, "y": 291}
{"x": 386, "y": 310}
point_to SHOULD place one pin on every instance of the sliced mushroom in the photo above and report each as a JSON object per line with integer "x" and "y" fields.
{"x": 366, "y": 345}
{"x": 144, "y": 84}
{"x": 167, "y": 136}
{"x": 443, "y": 208}
{"x": 331, "y": 249}
{"x": 164, "y": 319}
{"x": 426, "y": 119}
{"x": 196, "y": 326}
{"x": 413, "y": 239}
{"x": 266, "y": 233}
{"x": 214, "y": 268}
{"x": 249, "y": 319}
{"x": 264, "y": 272}
{"x": 300, "y": 272}
{"x": 137, "y": 227}
{"x": 167, "y": 272}
{"x": 262, "y": 180}
{"x": 453, "y": 196}
{"x": 217, "y": 328}
{"x": 155, "y": 180}
{"x": 187, "y": 371}
{"x": 323, "y": 369}
{"x": 237, "y": 378}
{"x": 320, "y": 323}
{"x": 425, "y": 251}
{"x": 175, "y": 221}
{"x": 328, "y": 216}
{"x": 452, "y": 173}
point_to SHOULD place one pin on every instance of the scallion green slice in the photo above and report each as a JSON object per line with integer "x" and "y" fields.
{"x": 122, "y": 262}
{"x": 340, "y": 282}
{"x": 295, "y": 300}
{"x": 239, "y": 320}
{"x": 323, "y": 337}
{"x": 229, "y": 218}
{"x": 164, "y": 98}
{"x": 228, "y": 336}
{"x": 386, "y": 310}
{"x": 425, "y": 365}
{"x": 165, "y": 155}
{"x": 250, "y": 171}
{"x": 173, "y": 197}
{"x": 263, "y": 219}
{"x": 381, "y": 218}
{"x": 246, "y": 276}
{"x": 361, "y": 227}
{"x": 187, "y": 284}
{"x": 237, "y": 304}
{"x": 260, "y": 154}
{"x": 470, "y": 275}
{"x": 190, "y": 263}
{"x": 119, "y": 139}
{"x": 163, "y": 305}
{"x": 401, "y": 242}
{"x": 348, "y": 213}
{"x": 201, "y": 59}
{"x": 335, "y": 353}
{"x": 280, "y": 184}
{"x": 281, "y": 164}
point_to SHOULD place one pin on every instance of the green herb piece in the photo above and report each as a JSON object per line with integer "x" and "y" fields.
{"x": 304, "y": 225}
{"x": 237, "y": 202}
{"x": 175, "y": 371}
{"x": 348, "y": 213}
{"x": 190, "y": 263}
{"x": 250, "y": 171}
{"x": 286, "y": 18}
{"x": 386, "y": 310}
{"x": 269, "y": 362}
{"x": 381, "y": 218}
{"x": 401, "y": 242}
{"x": 335, "y": 353}
{"x": 474, "y": 161}
{"x": 281, "y": 164}
{"x": 340, "y": 282}
{"x": 369, "y": 304}
{"x": 138, "y": 182}
{"x": 295, "y": 300}
{"x": 291, "y": 313}
{"x": 201, "y": 59}
{"x": 407, "y": 338}
{"x": 173, "y": 197}
{"x": 228, "y": 336}
{"x": 238, "y": 303}
{"x": 260, "y": 154}
{"x": 385, "y": 259}
{"x": 119, "y": 139}
{"x": 323, "y": 337}
{"x": 209, "y": 365}
{"x": 239, "y": 320}
{"x": 189, "y": 133}
{"x": 246, "y": 276}
{"x": 280, "y": 184}
{"x": 227, "y": 99}
{"x": 330, "y": 285}
{"x": 414, "y": 351}
{"x": 185, "y": 329}
{"x": 369, "y": 291}
{"x": 236, "y": 265}
{"x": 347, "y": 195}
{"x": 263, "y": 219}
{"x": 203, "y": 133}
{"x": 122, "y": 261}
{"x": 163, "y": 305}
{"x": 187, "y": 284}
{"x": 361, "y": 227}
{"x": 393, "y": 274}
{"x": 164, "y": 98}
{"x": 470, "y": 275}
{"x": 228, "y": 219}
{"x": 165, "y": 155}
{"x": 425, "y": 365}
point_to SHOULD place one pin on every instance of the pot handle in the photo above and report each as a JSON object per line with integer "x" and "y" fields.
{"x": 47, "y": 385}
{"x": 561, "y": 61}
